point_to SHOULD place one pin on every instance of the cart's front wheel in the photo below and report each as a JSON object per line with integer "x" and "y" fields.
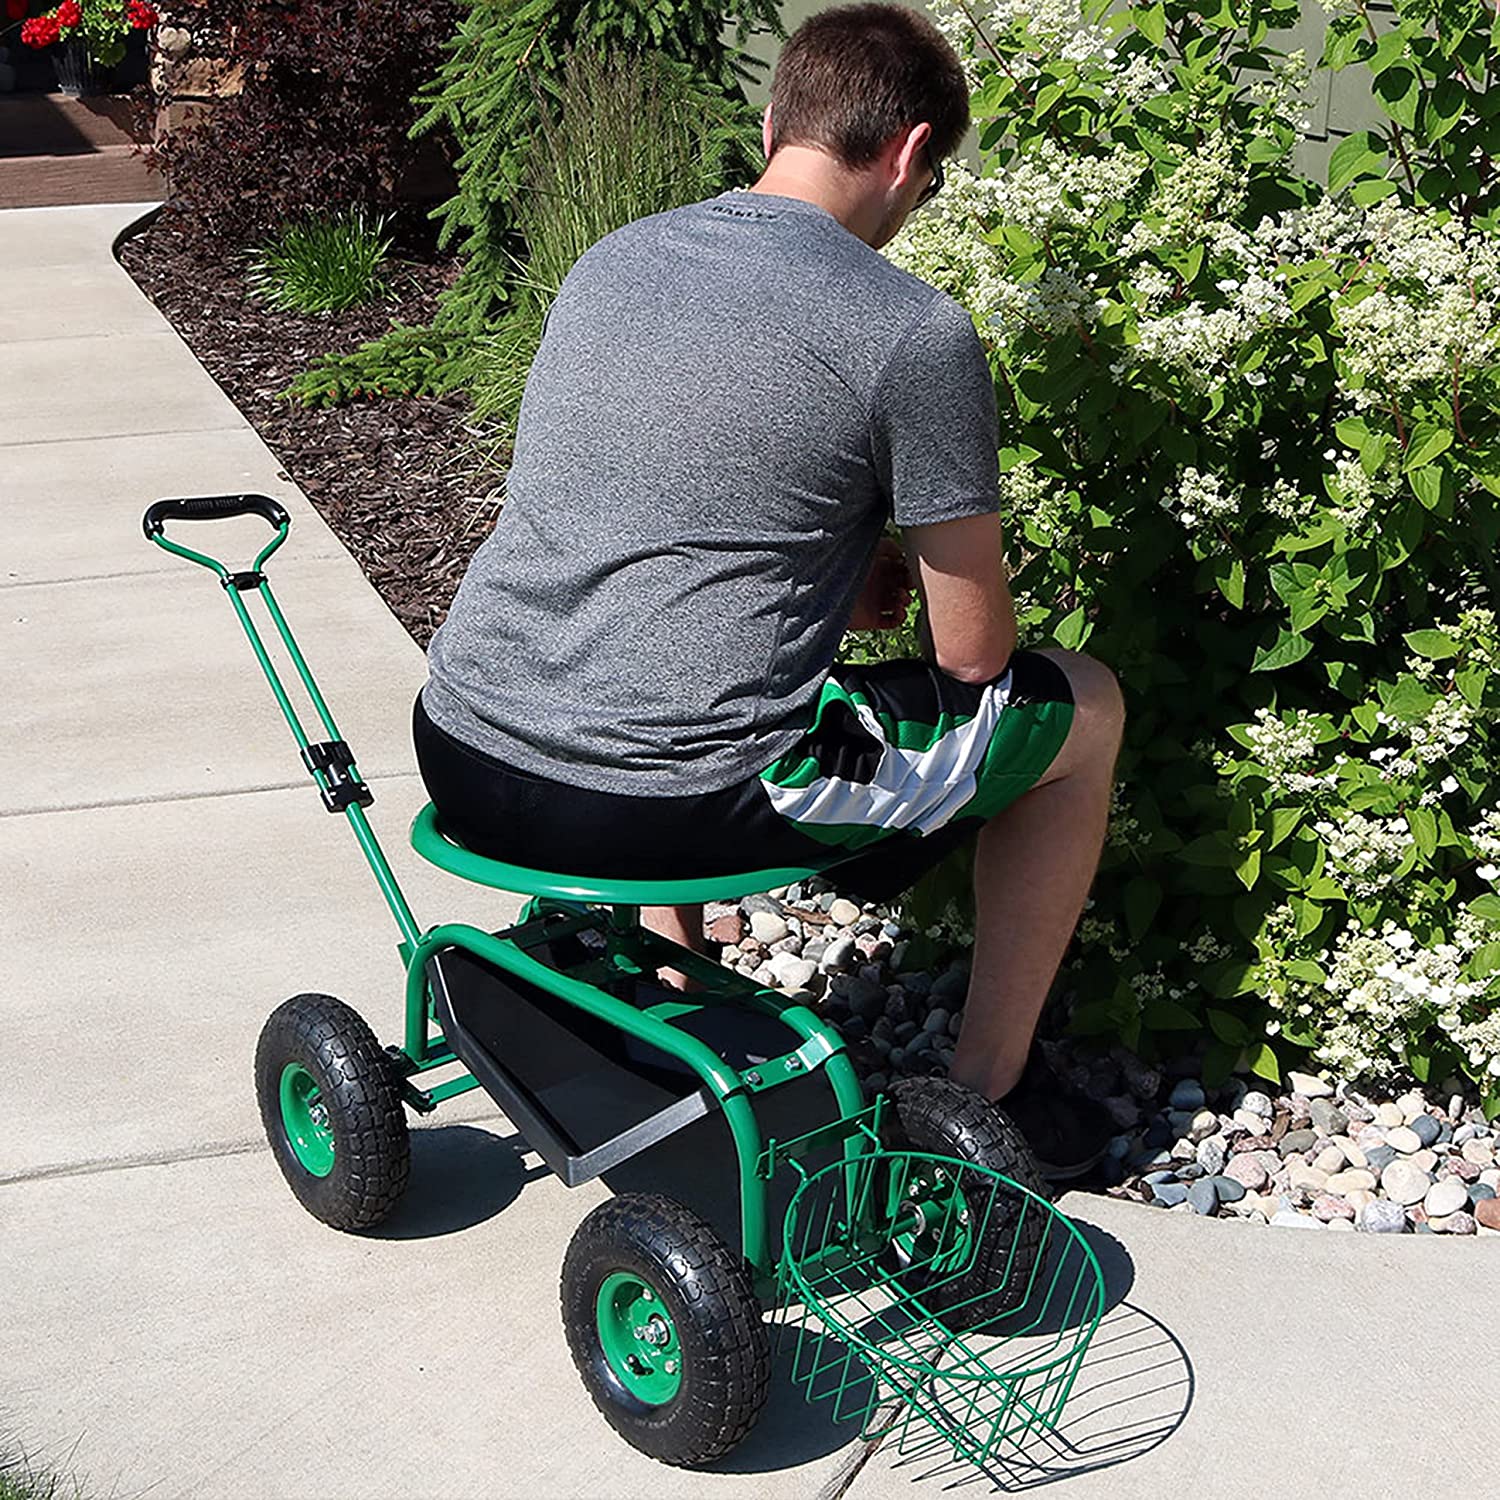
{"x": 986, "y": 1266}
{"x": 332, "y": 1111}
{"x": 665, "y": 1329}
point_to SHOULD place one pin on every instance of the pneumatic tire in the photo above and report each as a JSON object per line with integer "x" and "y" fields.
{"x": 665, "y": 1329}
{"x": 945, "y": 1118}
{"x": 331, "y": 1106}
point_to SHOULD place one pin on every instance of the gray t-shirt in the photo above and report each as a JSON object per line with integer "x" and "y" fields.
{"x": 730, "y": 401}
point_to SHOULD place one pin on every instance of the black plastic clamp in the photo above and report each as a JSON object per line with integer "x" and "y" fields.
{"x": 336, "y": 761}
{"x": 249, "y": 579}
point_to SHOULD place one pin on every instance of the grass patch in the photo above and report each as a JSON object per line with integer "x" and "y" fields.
{"x": 323, "y": 266}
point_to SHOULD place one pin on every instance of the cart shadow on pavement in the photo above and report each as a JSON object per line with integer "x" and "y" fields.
{"x": 461, "y": 1175}
{"x": 1133, "y": 1391}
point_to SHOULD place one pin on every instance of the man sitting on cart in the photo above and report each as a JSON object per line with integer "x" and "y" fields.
{"x": 730, "y": 403}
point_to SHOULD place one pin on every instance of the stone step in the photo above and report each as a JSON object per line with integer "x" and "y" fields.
{"x": 55, "y": 150}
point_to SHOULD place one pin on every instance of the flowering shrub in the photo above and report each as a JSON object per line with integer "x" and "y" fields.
{"x": 102, "y": 25}
{"x": 1252, "y": 454}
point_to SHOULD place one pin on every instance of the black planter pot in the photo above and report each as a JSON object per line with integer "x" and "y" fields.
{"x": 77, "y": 73}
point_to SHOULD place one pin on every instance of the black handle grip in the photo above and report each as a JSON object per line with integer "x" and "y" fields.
{"x": 212, "y": 508}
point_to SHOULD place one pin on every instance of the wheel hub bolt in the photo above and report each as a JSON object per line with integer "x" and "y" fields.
{"x": 671, "y": 1367}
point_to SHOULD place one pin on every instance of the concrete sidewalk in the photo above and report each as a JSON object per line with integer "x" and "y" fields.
{"x": 170, "y": 876}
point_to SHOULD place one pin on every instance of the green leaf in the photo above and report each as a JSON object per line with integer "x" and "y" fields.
{"x": 1230, "y": 579}
{"x": 1248, "y": 869}
{"x": 1486, "y": 961}
{"x": 1435, "y": 645}
{"x": 1168, "y": 1015}
{"x": 1218, "y": 1063}
{"x": 1399, "y": 93}
{"x": 1228, "y": 978}
{"x": 1228, "y": 1028}
{"x": 1284, "y": 822}
{"x": 1427, "y": 486}
{"x": 1072, "y": 630}
{"x": 1211, "y": 850}
{"x": 1152, "y": 23}
{"x": 1308, "y": 914}
{"x": 1353, "y": 157}
{"x": 1142, "y": 901}
{"x": 1289, "y": 648}
{"x": 1419, "y": 1063}
{"x": 1424, "y": 830}
{"x": 1487, "y": 907}
{"x": 1426, "y": 442}
{"x": 1263, "y": 1063}
{"x": 1307, "y": 971}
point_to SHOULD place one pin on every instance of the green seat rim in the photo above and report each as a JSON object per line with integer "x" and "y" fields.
{"x": 428, "y": 839}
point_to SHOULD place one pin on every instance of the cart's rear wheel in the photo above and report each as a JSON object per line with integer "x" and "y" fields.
{"x": 332, "y": 1110}
{"x": 984, "y": 1266}
{"x": 665, "y": 1329}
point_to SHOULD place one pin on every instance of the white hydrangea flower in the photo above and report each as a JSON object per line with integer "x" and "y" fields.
{"x": 1365, "y": 851}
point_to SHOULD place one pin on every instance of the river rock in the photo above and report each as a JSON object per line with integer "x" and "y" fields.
{"x": 1426, "y": 1129}
{"x": 1444, "y": 1198}
{"x": 839, "y": 954}
{"x": 1308, "y": 1086}
{"x": 1227, "y": 1188}
{"x": 1169, "y": 1193}
{"x": 1258, "y": 1103}
{"x": 1487, "y": 1213}
{"x": 1204, "y": 1197}
{"x": 1411, "y": 1105}
{"x": 1247, "y": 1171}
{"x": 1352, "y": 1153}
{"x": 1389, "y": 1115}
{"x": 1352, "y": 1179}
{"x": 1381, "y": 1216}
{"x": 1326, "y": 1206}
{"x": 1480, "y": 1153}
{"x": 844, "y": 913}
{"x": 1379, "y": 1157}
{"x": 1455, "y": 1223}
{"x": 1404, "y": 1139}
{"x": 1297, "y": 1140}
{"x": 1289, "y": 1218}
{"x": 937, "y": 1020}
{"x": 1404, "y": 1184}
{"x": 1328, "y": 1118}
{"x": 1330, "y": 1159}
{"x": 1187, "y": 1094}
{"x": 1212, "y": 1155}
{"x": 1309, "y": 1178}
{"x": 792, "y": 972}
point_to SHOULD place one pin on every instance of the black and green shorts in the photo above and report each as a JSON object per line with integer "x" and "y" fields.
{"x": 899, "y": 765}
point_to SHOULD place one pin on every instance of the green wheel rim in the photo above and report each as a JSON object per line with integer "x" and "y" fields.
{"x": 305, "y": 1119}
{"x": 942, "y": 1240}
{"x": 639, "y": 1338}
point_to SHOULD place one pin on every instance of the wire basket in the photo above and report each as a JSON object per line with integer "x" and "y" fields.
{"x": 942, "y": 1295}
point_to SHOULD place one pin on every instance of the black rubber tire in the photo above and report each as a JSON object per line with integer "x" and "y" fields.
{"x": 944, "y": 1118}
{"x": 357, "y": 1083}
{"x": 726, "y": 1352}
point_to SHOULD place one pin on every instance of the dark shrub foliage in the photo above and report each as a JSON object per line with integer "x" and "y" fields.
{"x": 322, "y": 125}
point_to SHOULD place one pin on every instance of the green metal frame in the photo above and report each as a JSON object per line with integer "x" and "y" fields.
{"x": 611, "y": 910}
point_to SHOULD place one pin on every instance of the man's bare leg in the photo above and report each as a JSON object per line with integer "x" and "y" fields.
{"x": 683, "y": 924}
{"x": 1032, "y": 872}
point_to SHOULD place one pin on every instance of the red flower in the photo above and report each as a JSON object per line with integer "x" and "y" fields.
{"x": 68, "y": 13}
{"x": 140, "y": 15}
{"x": 40, "y": 32}
{"x": 15, "y": 10}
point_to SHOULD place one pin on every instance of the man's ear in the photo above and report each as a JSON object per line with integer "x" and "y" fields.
{"x": 765, "y": 133}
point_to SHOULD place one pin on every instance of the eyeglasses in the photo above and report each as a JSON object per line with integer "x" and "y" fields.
{"x": 934, "y": 187}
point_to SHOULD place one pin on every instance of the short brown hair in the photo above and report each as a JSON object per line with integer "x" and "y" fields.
{"x": 851, "y": 78}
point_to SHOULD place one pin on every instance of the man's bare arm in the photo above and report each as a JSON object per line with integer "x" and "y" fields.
{"x": 968, "y": 616}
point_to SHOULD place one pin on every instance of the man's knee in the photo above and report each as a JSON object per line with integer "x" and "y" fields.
{"x": 1096, "y": 690}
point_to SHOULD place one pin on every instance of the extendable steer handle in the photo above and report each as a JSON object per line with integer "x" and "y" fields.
{"x": 212, "y": 508}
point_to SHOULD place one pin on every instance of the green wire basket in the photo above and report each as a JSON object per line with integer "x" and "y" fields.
{"x": 938, "y": 1288}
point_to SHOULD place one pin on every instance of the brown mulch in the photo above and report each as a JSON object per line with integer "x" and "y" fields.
{"x": 403, "y": 482}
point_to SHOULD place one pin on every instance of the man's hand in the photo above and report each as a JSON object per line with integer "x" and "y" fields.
{"x": 886, "y": 596}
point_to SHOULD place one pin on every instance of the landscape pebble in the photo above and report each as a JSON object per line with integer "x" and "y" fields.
{"x": 1312, "y": 1153}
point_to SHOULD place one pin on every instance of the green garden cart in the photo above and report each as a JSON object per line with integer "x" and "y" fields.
{"x": 902, "y": 1247}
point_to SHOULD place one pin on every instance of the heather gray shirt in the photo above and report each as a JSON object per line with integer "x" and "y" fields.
{"x": 729, "y": 402}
